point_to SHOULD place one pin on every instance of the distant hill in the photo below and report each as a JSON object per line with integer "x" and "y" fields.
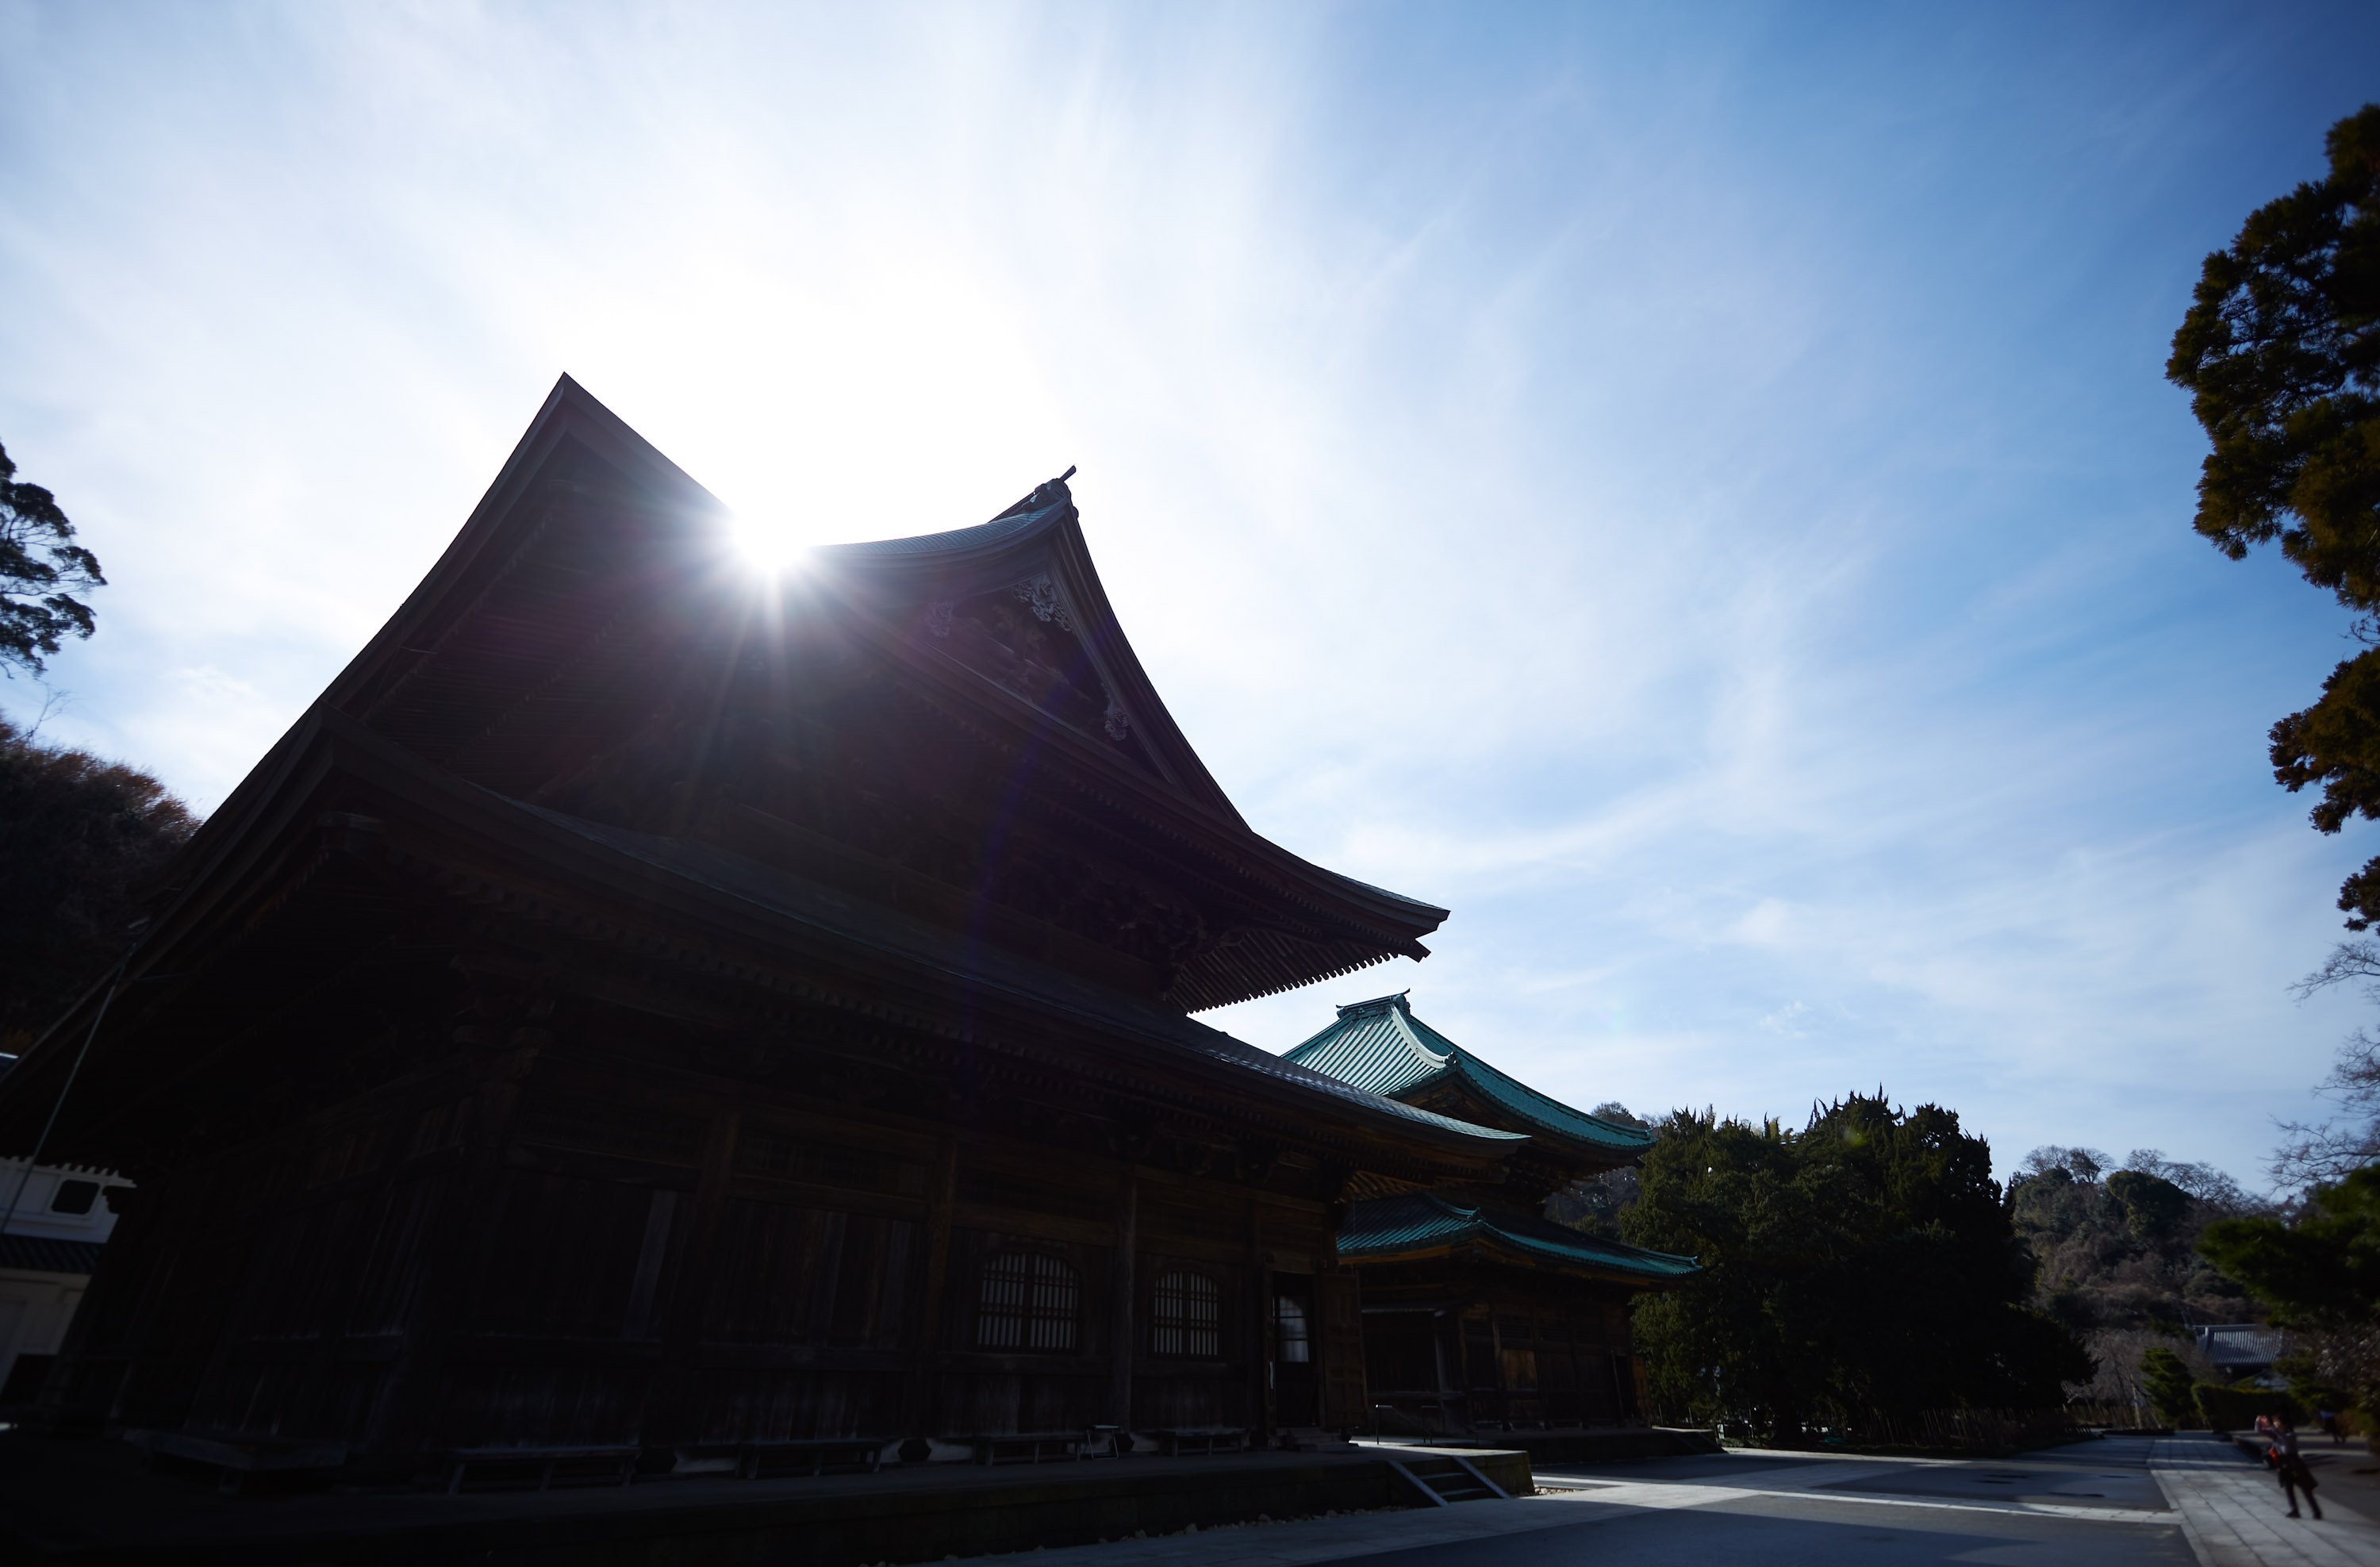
{"x": 2116, "y": 1245}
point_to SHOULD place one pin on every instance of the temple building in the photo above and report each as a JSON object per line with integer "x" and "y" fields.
{"x": 1480, "y": 1313}
{"x": 55, "y": 1224}
{"x": 649, "y": 1012}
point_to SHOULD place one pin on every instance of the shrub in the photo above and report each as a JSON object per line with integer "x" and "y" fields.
{"x": 2236, "y": 1408}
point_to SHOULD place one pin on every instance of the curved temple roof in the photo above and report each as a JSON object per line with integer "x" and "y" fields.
{"x": 1419, "y": 1224}
{"x": 920, "y": 588}
{"x": 545, "y": 654}
{"x": 1381, "y": 1046}
{"x": 786, "y": 897}
{"x": 537, "y": 653}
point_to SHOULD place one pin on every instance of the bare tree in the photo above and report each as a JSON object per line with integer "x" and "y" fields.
{"x": 2324, "y": 1151}
{"x": 2083, "y": 1165}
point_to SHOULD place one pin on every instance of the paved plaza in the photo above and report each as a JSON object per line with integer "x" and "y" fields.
{"x": 2234, "y": 1512}
{"x": 2177, "y": 1501}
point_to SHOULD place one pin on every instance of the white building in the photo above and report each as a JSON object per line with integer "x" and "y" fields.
{"x": 47, "y": 1253}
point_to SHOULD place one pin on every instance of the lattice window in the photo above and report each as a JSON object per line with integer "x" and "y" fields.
{"x": 1030, "y": 1301}
{"x": 1188, "y": 1320}
{"x": 1293, "y": 1332}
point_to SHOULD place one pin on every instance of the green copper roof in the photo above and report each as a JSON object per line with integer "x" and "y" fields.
{"x": 1381, "y": 1046}
{"x": 1418, "y": 1222}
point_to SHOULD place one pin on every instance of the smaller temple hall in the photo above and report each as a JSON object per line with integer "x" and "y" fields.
{"x": 1479, "y": 1312}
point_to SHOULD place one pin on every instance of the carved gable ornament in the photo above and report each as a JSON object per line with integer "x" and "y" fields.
{"x": 1024, "y": 638}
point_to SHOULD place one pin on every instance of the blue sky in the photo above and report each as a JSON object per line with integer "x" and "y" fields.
{"x": 1690, "y": 489}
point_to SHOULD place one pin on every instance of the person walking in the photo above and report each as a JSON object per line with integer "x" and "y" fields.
{"x": 2295, "y": 1475}
{"x": 2329, "y": 1421}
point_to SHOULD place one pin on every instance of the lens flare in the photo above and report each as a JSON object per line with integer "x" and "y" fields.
{"x": 769, "y": 545}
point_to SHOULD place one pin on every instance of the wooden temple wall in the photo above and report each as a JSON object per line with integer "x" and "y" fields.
{"x": 1460, "y": 1349}
{"x": 531, "y": 1246}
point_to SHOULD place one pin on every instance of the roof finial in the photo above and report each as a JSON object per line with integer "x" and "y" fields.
{"x": 1044, "y": 496}
{"x": 1050, "y": 494}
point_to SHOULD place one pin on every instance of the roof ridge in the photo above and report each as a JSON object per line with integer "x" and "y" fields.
{"x": 1445, "y": 1049}
{"x": 1424, "y": 1221}
{"x": 1467, "y": 1061}
{"x": 1520, "y": 1222}
{"x": 1009, "y": 524}
{"x": 1469, "y": 1214}
{"x": 1438, "y": 1060}
{"x": 1051, "y": 497}
{"x": 1380, "y": 1044}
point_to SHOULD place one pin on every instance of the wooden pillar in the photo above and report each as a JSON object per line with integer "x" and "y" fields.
{"x": 673, "y": 1405}
{"x": 921, "y": 1395}
{"x": 1260, "y": 1325}
{"x": 1438, "y": 1331}
{"x": 1123, "y": 1293}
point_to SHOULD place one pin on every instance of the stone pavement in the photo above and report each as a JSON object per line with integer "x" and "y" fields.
{"x": 2234, "y": 1514}
{"x": 1578, "y": 1502}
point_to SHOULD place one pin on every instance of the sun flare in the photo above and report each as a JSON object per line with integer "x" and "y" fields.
{"x": 769, "y": 545}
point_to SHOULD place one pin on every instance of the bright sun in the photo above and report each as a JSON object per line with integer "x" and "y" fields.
{"x": 768, "y": 545}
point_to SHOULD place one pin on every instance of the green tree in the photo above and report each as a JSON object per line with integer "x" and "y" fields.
{"x": 1865, "y": 1262}
{"x": 78, "y": 837}
{"x": 2321, "y": 1274}
{"x": 2170, "y": 1385}
{"x": 2322, "y": 1271}
{"x": 2281, "y": 351}
{"x": 2302, "y": 1368}
{"x": 2154, "y": 1207}
{"x": 42, "y": 568}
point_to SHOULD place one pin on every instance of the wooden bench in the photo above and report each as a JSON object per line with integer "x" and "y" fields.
{"x": 239, "y": 1458}
{"x": 842, "y": 1455}
{"x": 1198, "y": 1441}
{"x": 537, "y": 1468}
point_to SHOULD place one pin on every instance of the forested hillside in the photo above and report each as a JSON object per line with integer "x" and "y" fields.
{"x": 2117, "y": 1245}
{"x": 2118, "y": 1249}
{"x": 2114, "y": 1248}
{"x": 78, "y": 835}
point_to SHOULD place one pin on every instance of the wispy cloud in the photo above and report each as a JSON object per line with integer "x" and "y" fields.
{"x": 1693, "y": 493}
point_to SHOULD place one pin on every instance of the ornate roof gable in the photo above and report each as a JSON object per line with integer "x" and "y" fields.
{"x": 1380, "y": 1045}
{"x": 1016, "y": 602}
